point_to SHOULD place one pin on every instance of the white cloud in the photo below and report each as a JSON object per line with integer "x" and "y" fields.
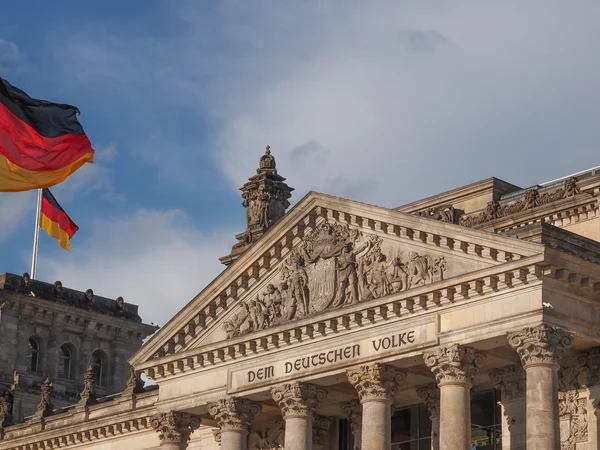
{"x": 156, "y": 259}
{"x": 9, "y": 51}
{"x": 18, "y": 211}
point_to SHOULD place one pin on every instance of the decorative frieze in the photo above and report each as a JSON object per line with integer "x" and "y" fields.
{"x": 174, "y": 426}
{"x": 234, "y": 413}
{"x": 443, "y": 213}
{"x": 511, "y": 382}
{"x": 542, "y": 344}
{"x": 454, "y": 364}
{"x": 376, "y": 381}
{"x": 573, "y": 404}
{"x": 298, "y": 399}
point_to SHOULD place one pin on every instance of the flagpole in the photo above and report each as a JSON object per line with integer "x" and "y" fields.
{"x": 36, "y": 234}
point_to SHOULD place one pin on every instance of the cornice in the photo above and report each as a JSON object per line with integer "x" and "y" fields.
{"x": 204, "y": 311}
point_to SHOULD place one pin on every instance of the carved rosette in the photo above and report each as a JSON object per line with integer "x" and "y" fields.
{"x": 510, "y": 380}
{"x": 454, "y": 364}
{"x": 298, "y": 399}
{"x": 542, "y": 344}
{"x": 174, "y": 426}
{"x": 234, "y": 414}
{"x": 430, "y": 395}
{"x": 376, "y": 382}
{"x": 353, "y": 411}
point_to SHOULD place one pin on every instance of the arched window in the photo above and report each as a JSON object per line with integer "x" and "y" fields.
{"x": 98, "y": 368}
{"x": 33, "y": 354}
{"x": 65, "y": 361}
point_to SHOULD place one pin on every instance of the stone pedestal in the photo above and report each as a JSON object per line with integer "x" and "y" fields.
{"x": 353, "y": 411}
{"x": 541, "y": 349}
{"x": 454, "y": 368}
{"x": 298, "y": 402}
{"x": 174, "y": 429}
{"x": 510, "y": 380}
{"x": 376, "y": 385}
{"x": 234, "y": 416}
{"x": 430, "y": 395}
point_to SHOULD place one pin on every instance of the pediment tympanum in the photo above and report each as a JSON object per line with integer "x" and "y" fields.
{"x": 333, "y": 266}
{"x": 326, "y": 254}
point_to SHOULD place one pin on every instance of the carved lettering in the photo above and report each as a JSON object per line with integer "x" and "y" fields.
{"x": 263, "y": 373}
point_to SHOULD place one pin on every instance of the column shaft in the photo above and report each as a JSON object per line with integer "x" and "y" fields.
{"x": 542, "y": 425}
{"x": 234, "y": 439}
{"x": 298, "y": 433}
{"x": 455, "y": 426}
{"x": 376, "y": 425}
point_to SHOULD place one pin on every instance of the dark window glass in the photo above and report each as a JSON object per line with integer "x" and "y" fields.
{"x": 64, "y": 362}
{"x": 486, "y": 431}
{"x": 98, "y": 368}
{"x": 411, "y": 429}
{"x": 33, "y": 355}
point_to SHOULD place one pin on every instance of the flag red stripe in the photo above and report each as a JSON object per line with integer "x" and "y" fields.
{"x": 57, "y": 215}
{"x": 22, "y": 145}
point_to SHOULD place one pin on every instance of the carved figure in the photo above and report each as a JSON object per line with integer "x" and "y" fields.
{"x": 57, "y": 289}
{"x": 89, "y": 297}
{"x": 347, "y": 288}
{"x": 419, "y": 269}
{"x": 269, "y": 439}
{"x": 25, "y": 280}
{"x": 6, "y": 404}
{"x": 399, "y": 277}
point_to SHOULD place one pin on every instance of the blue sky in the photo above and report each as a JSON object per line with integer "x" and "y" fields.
{"x": 384, "y": 102}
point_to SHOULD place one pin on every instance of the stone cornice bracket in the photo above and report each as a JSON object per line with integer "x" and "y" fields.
{"x": 430, "y": 395}
{"x": 174, "y": 426}
{"x": 589, "y": 361}
{"x": 234, "y": 414}
{"x": 353, "y": 411}
{"x": 454, "y": 364}
{"x": 541, "y": 344}
{"x": 376, "y": 382}
{"x": 510, "y": 380}
{"x": 298, "y": 399}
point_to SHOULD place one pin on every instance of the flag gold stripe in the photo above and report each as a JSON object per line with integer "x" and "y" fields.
{"x": 53, "y": 229}
{"x": 15, "y": 179}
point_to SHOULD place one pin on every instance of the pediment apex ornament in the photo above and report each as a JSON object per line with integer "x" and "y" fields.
{"x": 376, "y": 381}
{"x": 174, "y": 426}
{"x": 298, "y": 399}
{"x": 454, "y": 364}
{"x": 542, "y": 344}
{"x": 510, "y": 380}
{"x": 333, "y": 266}
{"x": 234, "y": 413}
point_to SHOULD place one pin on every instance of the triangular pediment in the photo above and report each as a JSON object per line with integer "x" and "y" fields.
{"x": 326, "y": 254}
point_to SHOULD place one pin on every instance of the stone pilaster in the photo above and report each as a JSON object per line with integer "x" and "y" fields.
{"x": 590, "y": 363}
{"x": 353, "y": 411}
{"x": 234, "y": 416}
{"x": 376, "y": 385}
{"x": 510, "y": 380}
{"x": 297, "y": 402}
{"x": 174, "y": 429}
{"x": 321, "y": 432}
{"x": 541, "y": 349}
{"x": 454, "y": 368}
{"x": 430, "y": 395}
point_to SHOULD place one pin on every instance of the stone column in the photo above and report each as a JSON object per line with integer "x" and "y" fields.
{"x": 541, "y": 349}
{"x": 297, "y": 402}
{"x": 430, "y": 395}
{"x": 174, "y": 429}
{"x": 353, "y": 411}
{"x": 321, "y": 432}
{"x": 510, "y": 380}
{"x": 376, "y": 385}
{"x": 454, "y": 368}
{"x": 234, "y": 416}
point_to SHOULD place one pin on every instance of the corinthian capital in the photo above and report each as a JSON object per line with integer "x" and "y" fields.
{"x": 298, "y": 399}
{"x": 542, "y": 344}
{"x": 589, "y": 361}
{"x": 174, "y": 426}
{"x": 375, "y": 382}
{"x": 454, "y": 364}
{"x": 510, "y": 380}
{"x": 234, "y": 413}
{"x": 430, "y": 395}
{"x": 353, "y": 411}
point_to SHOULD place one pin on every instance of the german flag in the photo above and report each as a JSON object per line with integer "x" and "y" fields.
{"x": 41, "y": 143}
{"x": 55, "y": 221}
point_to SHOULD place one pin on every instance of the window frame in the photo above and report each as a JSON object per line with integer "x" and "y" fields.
{"x": 33, "y": 350}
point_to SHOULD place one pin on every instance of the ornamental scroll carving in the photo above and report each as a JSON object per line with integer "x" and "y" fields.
{"x": 174, "y": 426}
{"x": 510, "y": 380}
{"x": 572, "y": 407}
{"x": 234, "y": 413}
{"x": 353, "y": 411}
{"x": 531, "y": 199}
{"x": 542, "y": 344}
{"x": 271, "y": 438}
{"x": 454, "y": 364}
{"x": 333, "y": 266}
{"x": 298, "y": 399}
{"x": 376, "y": 381}
{"x": 430, "y": 395}
{"x": 444, "y": 213}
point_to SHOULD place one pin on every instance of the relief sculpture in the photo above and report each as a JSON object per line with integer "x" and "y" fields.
{"x": 333, "y": 266}
{"x": 572, "y": 409}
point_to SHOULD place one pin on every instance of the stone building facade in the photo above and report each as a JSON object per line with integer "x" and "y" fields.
{"x": 50, "y": 331}
{"x": 469, "y": 319}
